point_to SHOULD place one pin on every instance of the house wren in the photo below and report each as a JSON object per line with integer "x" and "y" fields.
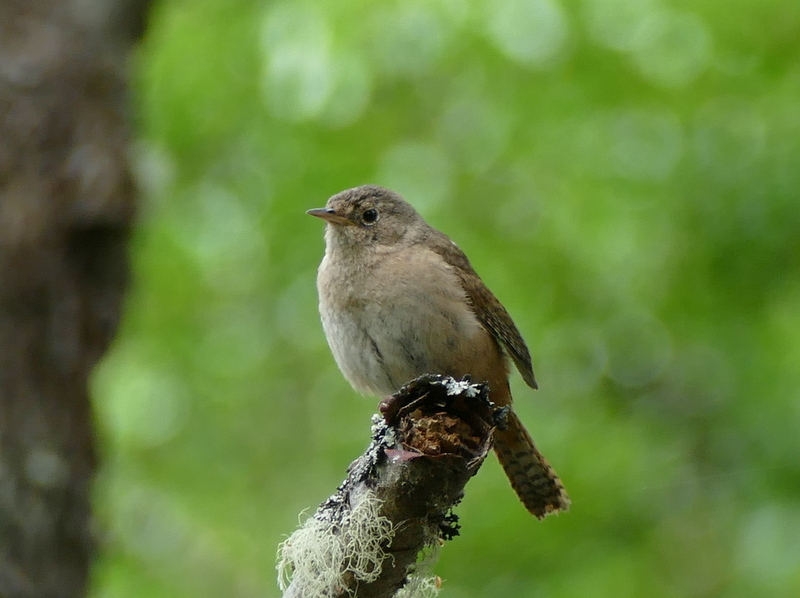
{"x": 399, "y": 299}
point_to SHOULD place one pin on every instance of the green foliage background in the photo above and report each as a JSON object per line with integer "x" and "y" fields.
{"x": 624, "y": 174}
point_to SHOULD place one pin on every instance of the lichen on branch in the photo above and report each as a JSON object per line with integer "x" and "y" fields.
{"x": 379, "y": 534}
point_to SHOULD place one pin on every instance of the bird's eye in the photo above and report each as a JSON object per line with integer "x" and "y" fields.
{"x": 370, "y": 216}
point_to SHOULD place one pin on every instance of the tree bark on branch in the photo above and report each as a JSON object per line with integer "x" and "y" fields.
{"x": 66, "y": 207}
{"x": 396, "y": 503}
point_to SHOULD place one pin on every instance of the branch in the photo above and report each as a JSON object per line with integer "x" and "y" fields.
{"x": 380, "y": 532}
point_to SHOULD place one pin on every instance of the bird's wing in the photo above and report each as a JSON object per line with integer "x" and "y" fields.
{"x": 490, "y": 312}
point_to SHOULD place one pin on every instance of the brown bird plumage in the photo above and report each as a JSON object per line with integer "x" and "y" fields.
{"x": 399, "y": 299}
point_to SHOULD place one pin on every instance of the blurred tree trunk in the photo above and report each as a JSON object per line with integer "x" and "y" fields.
{"x": 66, "y": 206}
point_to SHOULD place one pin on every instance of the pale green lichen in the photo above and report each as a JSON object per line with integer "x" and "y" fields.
{"x": 317, "y": 556}
{"x": 421, "y": 584}
{"x": 420, "y": 587}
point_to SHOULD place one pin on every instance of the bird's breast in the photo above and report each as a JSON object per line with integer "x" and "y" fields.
{"x": 392, "y": 319}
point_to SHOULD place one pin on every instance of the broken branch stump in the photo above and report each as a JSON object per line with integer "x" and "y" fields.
{"x": 380, "y": 532}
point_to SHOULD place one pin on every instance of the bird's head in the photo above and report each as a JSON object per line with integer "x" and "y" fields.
{"x": 368, "y": 216}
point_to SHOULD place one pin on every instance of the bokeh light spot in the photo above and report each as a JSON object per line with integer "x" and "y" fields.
{"x": 298, "y": 65}
{"x": 533, "y": 32}
{"x": 729, "y": 136}
{"x": 219, "y": 233}
{"x": 616, "y": 23}
{"x": 647, "y": 144}
{"x": 350, "y": 92}
{"x": 143, "y": 404}
{"x": 147, "y": 520}
{"x": 419, "y": 171}
{"x": 769, "y": 546}
{"x": 236, "y": 341}
{"x": 153, "y": 168}
{"x": 672, "y": 49}
{"x": 408, "y": 39}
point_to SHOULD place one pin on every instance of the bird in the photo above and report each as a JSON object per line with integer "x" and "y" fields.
{"x": 399, "y": 299}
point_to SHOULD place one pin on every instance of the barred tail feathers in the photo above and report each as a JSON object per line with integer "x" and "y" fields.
{"x": 533, "y": 479}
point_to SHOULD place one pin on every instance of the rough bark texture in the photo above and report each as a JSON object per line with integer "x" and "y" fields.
{"x": 433, "y": 437}
{"x": 66, "y": 205}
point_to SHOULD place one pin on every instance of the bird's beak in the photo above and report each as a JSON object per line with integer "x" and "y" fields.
{"x": 329, "y": 215}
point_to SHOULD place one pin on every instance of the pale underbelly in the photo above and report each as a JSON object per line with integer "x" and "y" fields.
{"x": 383, "y": 349}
